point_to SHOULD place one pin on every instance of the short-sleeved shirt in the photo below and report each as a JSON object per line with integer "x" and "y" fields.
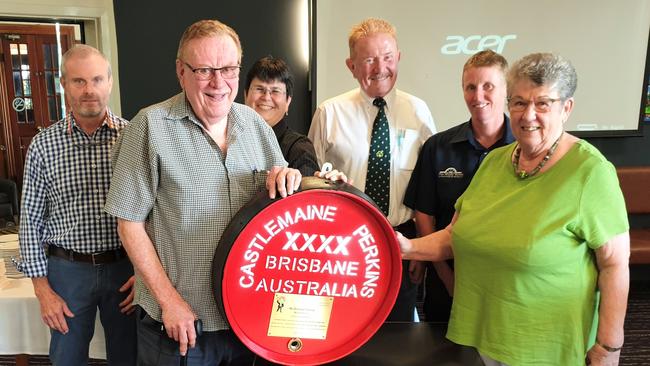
{"x": 526, "y": 277}
{"x": 341, "y": 130}
{"x": 171, "y": 175}
{"x": 296, "y": 148}
{"x": 446, "y": 164}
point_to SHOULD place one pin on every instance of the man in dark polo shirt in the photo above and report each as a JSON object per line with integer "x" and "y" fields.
{"x": 448, "y": 161}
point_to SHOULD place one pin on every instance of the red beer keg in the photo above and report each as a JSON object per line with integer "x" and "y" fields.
{"x": 309, "y": 278}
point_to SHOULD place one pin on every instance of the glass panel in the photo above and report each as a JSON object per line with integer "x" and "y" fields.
{"x": 47, "y": 56}
{"x": 27, "y": 85}
{"x": 49, "y": 81}
{"x": 15, "y": 62}
{"x": 55, "y": 56}
{"x": 18, "y": 85}
{"x": 24, "y": 60}
{"x": 29, "y": 108}
{"x": 26, "y": 115}
{"x": 13, "y": 48}
{"x": 51, "y": 103}
{"x": 20, "y": 117}
{"x": 59, "y": 108}
{"x": 23, "y": 48}
{"x": 30, "y": 116}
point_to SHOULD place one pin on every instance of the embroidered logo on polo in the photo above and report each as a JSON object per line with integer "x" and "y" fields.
{"x": 450, "y": 172}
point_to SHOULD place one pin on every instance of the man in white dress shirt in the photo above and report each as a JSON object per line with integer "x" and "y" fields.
{"x": 342, "y": 127}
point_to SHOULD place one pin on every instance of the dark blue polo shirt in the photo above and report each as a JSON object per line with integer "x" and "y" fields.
{"x": 445, "y": 167}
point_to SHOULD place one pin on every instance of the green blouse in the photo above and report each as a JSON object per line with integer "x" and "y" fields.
{"x": 526, "y": 275}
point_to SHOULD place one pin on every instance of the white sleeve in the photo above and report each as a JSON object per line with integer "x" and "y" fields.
{"x": 318, "y": 134}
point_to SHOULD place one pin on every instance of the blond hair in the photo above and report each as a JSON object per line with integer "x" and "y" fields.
{"x": 487, "y": 58}
{"x": 82, "y": 51}
{"x": 369, "y": 27}
{"x": 204, "y": 29}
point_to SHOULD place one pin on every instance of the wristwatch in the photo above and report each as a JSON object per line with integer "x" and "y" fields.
{"x": 608, "y": 348}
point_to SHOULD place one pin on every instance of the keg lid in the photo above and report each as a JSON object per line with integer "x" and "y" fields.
{"x": 309, "y": 278}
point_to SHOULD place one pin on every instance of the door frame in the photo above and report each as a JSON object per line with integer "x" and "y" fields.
{"x": 9, "y": 160}
{"x": 97, "y": 24}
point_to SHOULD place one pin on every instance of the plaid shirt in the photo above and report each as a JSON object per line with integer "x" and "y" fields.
{"x": 67, "y": 176}
{"x": 172, "y": 176}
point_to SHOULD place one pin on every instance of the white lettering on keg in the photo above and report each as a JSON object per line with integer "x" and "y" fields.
{"x": 471, "y": 44}
{"x": 289, "y": 218}
{"x": 304, "y": 287}
{"x": 323, "y": 245}
{"x": 371, "y": 275}
{"x": 275, "y": 226}
{"x": 351, "y": 278}
{"x": 313, "y": 265}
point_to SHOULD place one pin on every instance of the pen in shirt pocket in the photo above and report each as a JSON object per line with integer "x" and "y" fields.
{"x": 259, "y": 176}
{"x": 401, "y": 132}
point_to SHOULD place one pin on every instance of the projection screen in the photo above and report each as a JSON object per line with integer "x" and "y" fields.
{"x": 607, "y": 42}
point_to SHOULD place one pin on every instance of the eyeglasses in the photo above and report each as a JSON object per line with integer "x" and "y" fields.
{"x": 541, "y": 105}
{"x": 274, "y": 92}
{"x": 208, "y": 73}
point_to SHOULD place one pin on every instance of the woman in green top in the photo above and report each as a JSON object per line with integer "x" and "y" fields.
{"x": 539, "y": 238}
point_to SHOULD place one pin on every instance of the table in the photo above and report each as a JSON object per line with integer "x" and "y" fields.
{"x": 21, "y": 329}
{"x": 412, "y": 344}
{"x": 408, "y": 344}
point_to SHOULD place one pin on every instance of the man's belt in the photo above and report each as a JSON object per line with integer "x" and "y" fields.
{"x": 106, "y": 257}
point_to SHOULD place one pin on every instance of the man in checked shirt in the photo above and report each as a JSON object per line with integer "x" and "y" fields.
{"x": 182, "y": 170}
{"x": 68, "y": 245}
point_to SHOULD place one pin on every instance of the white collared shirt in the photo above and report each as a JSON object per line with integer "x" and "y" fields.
{"x": 341, "y": 130}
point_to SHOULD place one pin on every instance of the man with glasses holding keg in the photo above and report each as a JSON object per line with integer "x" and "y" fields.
{"x": 183, "y": 169}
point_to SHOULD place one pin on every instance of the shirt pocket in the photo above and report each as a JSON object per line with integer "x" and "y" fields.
{"x": 408, "y": 146}
{"x": 259, "y": 179}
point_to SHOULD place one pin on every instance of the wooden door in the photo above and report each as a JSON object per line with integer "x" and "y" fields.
{"x": 33, "y": 95}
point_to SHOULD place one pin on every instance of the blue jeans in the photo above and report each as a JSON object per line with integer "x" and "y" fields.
{"x": 155, "y": 348}
{"x": 85, "y": 288}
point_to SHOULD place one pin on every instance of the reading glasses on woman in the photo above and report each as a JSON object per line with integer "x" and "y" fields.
{"x": 273, "y": 92}
{"x": 541, "y": 105}
{"x": 207, "y": 73}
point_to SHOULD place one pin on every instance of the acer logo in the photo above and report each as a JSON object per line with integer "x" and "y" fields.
{"x": 472, "y": 44}
{"x": 315, "y": 243}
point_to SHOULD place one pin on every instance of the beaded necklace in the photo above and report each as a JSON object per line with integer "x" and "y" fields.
{"x": 522, "y": 174}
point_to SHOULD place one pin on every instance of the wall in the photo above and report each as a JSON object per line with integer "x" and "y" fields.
{"x": 99, "y": 18}
{"x": 609, "y": 50}
{"x": 148, "y": 32}
{"x": 626, "y": 151}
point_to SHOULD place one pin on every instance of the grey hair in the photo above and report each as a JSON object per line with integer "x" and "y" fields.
{"x": 83, "y": 51}
{"x": 545, "y": 69}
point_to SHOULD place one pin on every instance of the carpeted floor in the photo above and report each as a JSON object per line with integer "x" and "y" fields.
{"x": 637, "y": 332}
{"x": 42, "y": 361}
{"x": 637, "y": 326}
